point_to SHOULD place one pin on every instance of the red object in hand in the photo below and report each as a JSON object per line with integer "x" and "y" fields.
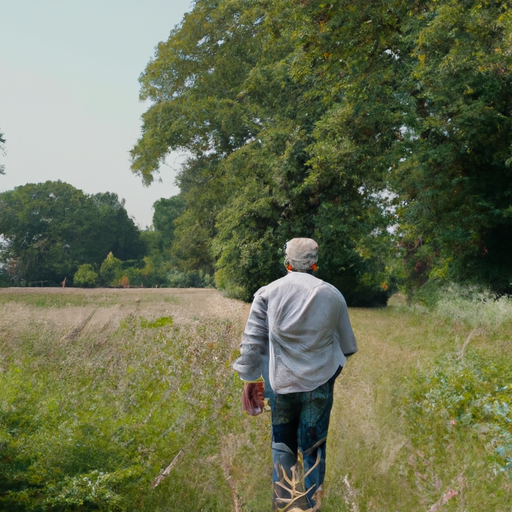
{"x": 252, "y": 398}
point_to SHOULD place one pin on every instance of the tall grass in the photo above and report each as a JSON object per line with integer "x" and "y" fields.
{"x": 141, "y": 412}
{"x": 473, "y": 307}
{"x": 90, "y": 422}
{"x": 420, "y": 424}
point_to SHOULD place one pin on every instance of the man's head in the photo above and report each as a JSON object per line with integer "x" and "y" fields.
{"x": 301, "y": 254}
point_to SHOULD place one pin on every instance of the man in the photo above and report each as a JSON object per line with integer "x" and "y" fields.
{"x": 297, "y": 339}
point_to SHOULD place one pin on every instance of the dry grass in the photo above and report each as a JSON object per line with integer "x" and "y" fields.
{"x": 93, "y": 340}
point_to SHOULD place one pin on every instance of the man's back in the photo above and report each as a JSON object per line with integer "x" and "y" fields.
{"x": 307, "y": 329}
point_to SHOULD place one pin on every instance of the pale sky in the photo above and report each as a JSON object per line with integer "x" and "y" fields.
{"x": 69, "y": 93}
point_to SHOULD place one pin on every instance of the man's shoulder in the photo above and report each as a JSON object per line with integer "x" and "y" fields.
{"x": 301, "y": 280}
{"x": 272, "y": 285}
{"x": 328, "y": 288}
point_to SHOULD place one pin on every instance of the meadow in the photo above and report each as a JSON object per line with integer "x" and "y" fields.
{"x": 124, "y": 400}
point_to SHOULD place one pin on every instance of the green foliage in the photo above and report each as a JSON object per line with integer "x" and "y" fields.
{"x": 111, "y": 270}
{"x": 51, "y": 228}
{"x": 155, "y": 324}
{"x": 95, "y": 435}
{"x": 193, "y": 279}
{"x": 85, "y": 276}
{"x": 454, "y": 179}
{"x": 161, "y": 267}
{"x": 166, "y": 212}
{"x": 4, "y": 278}
{"x": 131, "y": 276}
{"x": 228, "y": 86}
{"x": 338, "y": 121}
{"x": 471, "y": 394}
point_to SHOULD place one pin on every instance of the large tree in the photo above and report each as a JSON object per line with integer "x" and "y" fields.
{"x": 338, "y": 120}
{"x": 52, "y": 228}
{"x": 227, "y": 88}
{"x": 454, "y": 180}
{"x": 159, "y": 260}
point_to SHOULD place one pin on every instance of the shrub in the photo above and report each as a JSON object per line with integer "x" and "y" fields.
{"x": 111, "y": 270}
{"x": 194, "y": 279}
{"x": 85, "y": 276}
{"x": 134, "y": 276}
{"x": 470, "y": 393}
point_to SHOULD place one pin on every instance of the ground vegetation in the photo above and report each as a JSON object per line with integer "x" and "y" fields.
{"x": 116, "y": 399}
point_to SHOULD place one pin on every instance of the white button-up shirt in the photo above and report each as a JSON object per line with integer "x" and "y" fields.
{"x": 298, "y": 331}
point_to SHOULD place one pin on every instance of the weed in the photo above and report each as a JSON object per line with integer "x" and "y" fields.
{"x": 155, "y": 324}
{"x": 474, "y": 395}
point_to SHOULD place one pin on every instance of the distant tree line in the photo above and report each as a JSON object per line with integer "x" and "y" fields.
{"x": 53, "y": 234}
{"x": 382, "y": 129}
{"x": 49, "y": 229}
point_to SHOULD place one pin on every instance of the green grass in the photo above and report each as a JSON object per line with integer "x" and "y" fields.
{"x": 88, "y": 422}
{"x": 44, "y": 301}
{"x": 392, "y": 446}
{"x": 69, "y": 297}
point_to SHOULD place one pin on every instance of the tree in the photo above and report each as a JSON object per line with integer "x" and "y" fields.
{"x": 166, "y": 213}
{"x": 454, "y": 180}
{"x": 85, "y": 276}
{"x": 225, "y": 87}
{"x": 2, "y": 151}
{"x": 52, "y": 228}
{"x": 338, "y": 121}
{"x": 111, "y": 270}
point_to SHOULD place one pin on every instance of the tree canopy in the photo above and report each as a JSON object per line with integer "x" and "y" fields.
{"x": 52, "y": 228}
{"x": 381, "y": 129}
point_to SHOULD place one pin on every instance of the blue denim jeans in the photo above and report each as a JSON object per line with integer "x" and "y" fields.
{"x": 299, "y": 423}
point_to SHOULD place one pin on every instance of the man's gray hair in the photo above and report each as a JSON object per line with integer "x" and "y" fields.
{"x": 301, "y": 254}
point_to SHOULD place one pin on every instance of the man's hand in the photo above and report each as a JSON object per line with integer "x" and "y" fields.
{"x": 252, "y": 398}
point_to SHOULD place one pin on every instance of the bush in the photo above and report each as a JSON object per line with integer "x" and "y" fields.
{"x": 111, "y": 270}
{"x": 85, "y": 276}
{"x": 194, "y": 279}
{"x": 471, "y": 394}
{"x": 133, "y": 276}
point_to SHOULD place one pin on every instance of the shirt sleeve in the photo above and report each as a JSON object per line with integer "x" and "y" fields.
{"x": 346, "y": 336}
{"x": 253, "y": 361}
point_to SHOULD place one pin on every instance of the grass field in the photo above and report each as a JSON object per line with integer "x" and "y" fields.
{"x": 124, "y": 400}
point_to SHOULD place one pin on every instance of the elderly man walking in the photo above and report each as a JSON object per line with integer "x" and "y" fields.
{"x": 297, "y": 340}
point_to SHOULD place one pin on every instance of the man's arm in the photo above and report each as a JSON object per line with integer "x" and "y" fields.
{"x": 346, "y": 336}
{"x": 253, "y": 360}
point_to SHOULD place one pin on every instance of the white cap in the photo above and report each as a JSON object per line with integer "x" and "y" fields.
{"x": 301, "y": 253}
